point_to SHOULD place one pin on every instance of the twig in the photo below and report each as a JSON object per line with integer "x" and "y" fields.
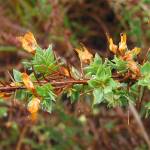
{"x": 140, "y": 124}
{"x": 23, "y": 132}
{"x": 11, "y": 76}
{"x": 53, "y": 83}
{"x": 11, "y": 88}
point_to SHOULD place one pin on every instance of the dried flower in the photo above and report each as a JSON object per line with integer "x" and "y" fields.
{"x": 28, "y": 42}
{"x": 28, "y": 83}
{"x": 84, "y": 55}
{"x": 123, "y": 44}
{"x": 33, "y": 105}
{"x": 113, "y": 48}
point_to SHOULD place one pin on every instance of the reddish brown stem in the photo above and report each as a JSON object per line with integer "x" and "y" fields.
{"x": 54, "y": 83}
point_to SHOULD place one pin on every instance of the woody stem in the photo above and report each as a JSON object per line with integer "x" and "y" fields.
{"x": 53, "y": 83}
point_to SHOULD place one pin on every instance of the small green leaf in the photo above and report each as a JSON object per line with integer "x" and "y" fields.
{"x": 46, "y": 91}
{"x": 98, "y": 96}
{"x": 47, "y": 105}
{"x": 44, "y": 61}
{"x": 145, "y": 78}
{"x": 17, "y": 75}
{"x": 94, "y": 66}
{"x": 119, "y": 64}
{"x": 94, "y": 83}
{"x": 48, "y": 97}
{"x": 145, "y": 69}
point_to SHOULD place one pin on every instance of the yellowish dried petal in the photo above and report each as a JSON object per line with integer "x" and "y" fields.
{"x": 28, "y": 42}
{"x": 135, "y": 51}
{"x": 129, "y": 55}
{"x": 33, "y": 105}
{"x": 28, "y": 83}
{"x": 84, "y": 54}
{"x": 123, "y": 43}
{"x": 65, "y": 71}
{"x": 112, "y": 47}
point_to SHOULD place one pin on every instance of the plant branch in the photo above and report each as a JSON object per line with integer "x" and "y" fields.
{"x": 53, "y": 83}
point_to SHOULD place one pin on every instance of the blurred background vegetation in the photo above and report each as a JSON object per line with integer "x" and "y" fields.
{"x": 66, "y": 24}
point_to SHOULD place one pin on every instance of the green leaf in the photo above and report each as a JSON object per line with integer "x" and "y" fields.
{"x": 119, "y": 64}
{"x": 97, "y": 59}
{"x": 46, "y": 91}
{"x": 103, "y": 73}
{"x": 145, "y": 78}
{"x": 47, "y": 105}
{"x": 94, "y": 83}
{"x": 44, "y": 61}
{"x": 117, "y": 98}
{"x": 74, "y": 92}
{"x": 145, "y": 69}
{"x": 94, "y": 65}
{"x": 22, "y": 95}
{"x": 98, "y": 96}
{"x": 17, "y": 75}
{"x": 48, "y": 97}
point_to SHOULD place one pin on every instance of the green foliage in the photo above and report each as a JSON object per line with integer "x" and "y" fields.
{"x": 94, "y": 65}
{"x": 63, "y": 131}
{"x": 44, "y": 61}
{"x": 119, "y": 65}
{"x": 145, "y": 79}
{"x": 103, "y": 87}
{"x": 48, "y": 97}
{"x": 101, "y": 81}
{"x": 17, "y": 75}
{"x": 74, "y": 92}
